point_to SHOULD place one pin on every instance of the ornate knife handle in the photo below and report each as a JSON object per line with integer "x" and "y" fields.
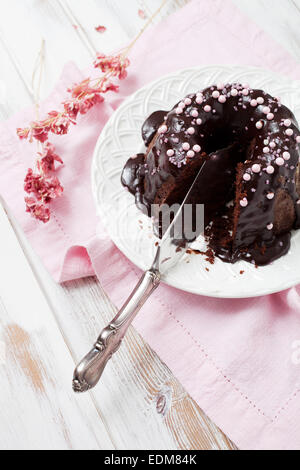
{"x": 88, "y": 373}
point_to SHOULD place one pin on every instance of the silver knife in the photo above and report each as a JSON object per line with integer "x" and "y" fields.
{"x": 89, "y": 371}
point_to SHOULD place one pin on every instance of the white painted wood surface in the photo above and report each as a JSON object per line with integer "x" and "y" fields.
{"x": 139, "y": 404}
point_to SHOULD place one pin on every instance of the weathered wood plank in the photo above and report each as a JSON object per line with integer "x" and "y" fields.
{"x": 23, "y": 34}
{"x": 13, "y": 91}
{"x": 38, "y": 407}
{"x": 137, "y": 380}
{"x": 280, "y": 18}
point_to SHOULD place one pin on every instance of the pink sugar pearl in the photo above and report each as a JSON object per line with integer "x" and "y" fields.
{"x": 244, "y": 202}
{"x": 287, "y": 122}
{"x": 270, "y": 226}
{"x": 215, "y": 94}
{"x": 170, "y": 153}
{"x": 220, "y": 86}
{"x": 179, "y": 110}
{"x": 187, "y": 101}
{"x": 279, "y": 161}
{"x": 266, "y": 150}
{"x": 298, "y": 139}
{"x": 222, "y": 99}
{"x": 197, "y": 148}
{"x": 246, "y": 177}
{"x": 191, "y": 130}
{"x": 162, "y": 129}
{"x": 270, "y": 196}
{"x": 245, "y": 92}
{"x": 272, "y": 145}
{"x": 289, "y": 132}
{"x": 234, "y": 92}
{"x": 256, "y": 168}
{"x": 266, "y": 110}
{"x": 186, "y": 146}
{"x": 260, "y": 100}
{"x": 270, "y": 170}
{"x": 286, "y": 155}
{"x": 259, "y": 125}
{"x": 199, "y": 99}
{"x": 194, "y": 113}
{"x": 253, "y": 103}
{"x": 191, "y": 154}
{"x": 270, "y": 116}
{"x": 199, "y": 122}
{"x": 207, "y": 108}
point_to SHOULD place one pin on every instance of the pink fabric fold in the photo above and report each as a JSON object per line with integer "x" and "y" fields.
{"x": 239, "y": 359}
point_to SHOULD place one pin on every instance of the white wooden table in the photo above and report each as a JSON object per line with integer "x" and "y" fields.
{"x": 139, "y": 404}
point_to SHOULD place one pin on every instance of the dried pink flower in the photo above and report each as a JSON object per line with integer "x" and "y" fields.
{"x": 78, "y": 89}
{"x": 142, "y": 14}
{"x": 42, "y": 187}
{"x": 72, "y": 108}
{"x": 116, "y": 65}
{"x": 59, "y": 123}
{"x": 23, "y": 133}
{"x": 39, "y": 131}
{"x": 100, "y": 29}
{"x": 89, "y": 101}
{"x": 47, "y": 160}
{"x": 107, "y": 85}
{"x": 38, "y": 210}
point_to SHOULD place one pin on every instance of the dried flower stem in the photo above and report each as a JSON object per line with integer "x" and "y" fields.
{"x": 38, "y": 74}
{"x": 41, "y": 184}
{"x": 38, "y": 69}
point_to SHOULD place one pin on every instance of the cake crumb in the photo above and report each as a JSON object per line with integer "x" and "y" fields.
{"x": 242, "y": 272}
{"x": 210, "y": 256}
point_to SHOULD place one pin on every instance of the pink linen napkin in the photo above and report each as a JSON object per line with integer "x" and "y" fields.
{"x": 239, "y": 359}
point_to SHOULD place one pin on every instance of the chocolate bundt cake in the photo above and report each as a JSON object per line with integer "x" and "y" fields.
{"x": 251, "y": 180}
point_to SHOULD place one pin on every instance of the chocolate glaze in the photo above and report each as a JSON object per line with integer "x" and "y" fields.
{"x": 151, "y": 126}
{"x": 226, "y": 130}
{"x": 133, "y": 176}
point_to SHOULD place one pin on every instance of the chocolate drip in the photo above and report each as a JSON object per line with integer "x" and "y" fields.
{"x": 151, "y": 125}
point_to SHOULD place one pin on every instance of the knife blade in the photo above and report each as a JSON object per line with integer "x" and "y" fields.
{"x": 179, "y": 231}
{"x": 89, "y": 371}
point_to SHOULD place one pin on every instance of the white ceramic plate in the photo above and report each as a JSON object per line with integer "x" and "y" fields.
{"x": 132, "y": 232}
